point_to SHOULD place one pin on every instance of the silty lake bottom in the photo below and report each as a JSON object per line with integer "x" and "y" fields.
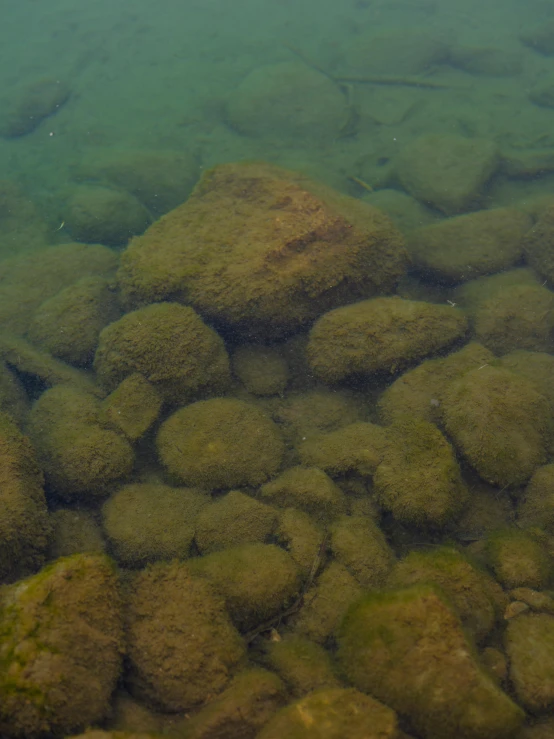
{"x": 277, "y": 370}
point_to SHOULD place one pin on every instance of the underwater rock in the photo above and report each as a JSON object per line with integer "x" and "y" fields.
{"x": 288, "y": 102}
{"x": 262, "y": 370}
{"x": 536, "y": 506}
{"x": 303, "y": 665}
{"x": 406, "y": 52}
{"x": 540, "y": 38}
{"x": 257, "y": 581}
{"x": 529, "y": 643}
{"x": 333, "y": 713}
{"x": 177, "y": 620}
{"x": 132, "y": 407}
{"x": 471, "y": 245}
{"x": 100, "y": 215}
{"x": 80, "y": 457}
{"x": 24, "y": 524}
{"x": 147, "y": 522}
{"x": 408, "y": 648}
{"x": 538, "y": 245}
{"x": 160, "y": 179}
{"x": 478, "y": 599}
{"x": 307, "y": 488}
{"x": 62, "y": 645}
{"x": 380, "y": 335}
{"x": 220, "y": 443}
{"x": 234, "y": 519}
{"x": 499, "y": 423}
{"x": 28, "y": 280}
{"x": 519, "y": 558}
{"x": 170, "y": 345}
{"x": 263, "y": 249}
{"x": 359, "y": 544}
{"x": 446, "y": 171}
{"x": 241, "y": 710}
{"x": 419, "y": 480}
{"x": 35, "y": 102}
{"x": 68, "y": 325}
{"x": 486, "y": 60}
{"x": 418, "y": 392}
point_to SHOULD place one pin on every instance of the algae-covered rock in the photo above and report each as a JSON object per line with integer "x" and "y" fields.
{"x": 24, "y": 522}
{"x": 519, "y": 559}
{"x": 408, "y": 649}
{"x": 303, "y": 414}
{"x": 61, "y": 645}
{"x": 220, "y": 443}
{"x": 477, "y": 598}
{"x": 446, "y": 171}
{"x": 536, "y": 367}
{"x": 539, "y": 245}
{"x": 160, "y": 179}
{"x": 235, "y": 518}
{"x": 145, "y": 522}
{"x": 536, "y": 507}
{"x": 470, "y": 245}
{"x": 78, "y": 455}
{"x": 74, "y": 531}
{"x": 68, "y": 325}
{"x": 288, "y": 102}
{"x": 303, "y": 665}
{"x": 419, "y": 479}
{"x": 516, "y": 317}
{"x": 307, "y": 488}
{"x": 326, "y": 602}
{"x": 170, "y": 345}
{"x": 262, "y": 370}
{"x": 380, "y": 335}
{"x": 257, "y": 581}
{"x": 359, "y": 544}
{"x": 300, "y": 535}
{"x": 358, "y": 446}
{"x": 241, "y": 710}
{"x": 102, "y": 215}
{"x": 418, "y": 392}
{"x": 132, "y": 407}
{"x": 34, "y": 103}
{"x": 500, "y": 424}
{"x": 529, "y": 643}
{"x": 182, "y": 647}
{"x": 333, "y": 714}
{"x": 263, "y": 249}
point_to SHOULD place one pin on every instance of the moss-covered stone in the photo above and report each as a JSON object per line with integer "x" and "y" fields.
{"x": 303, "y": 665}
{"x": 80, "y": 457}
{"x": 356, "y": 447}
{"x": 132, "y": 407}
{"x": 177, "y": 621}
{"x": 499, "y": 422}
{"x": 380, "y": 335}
{"x": 262, "y": 370}
{"x": 170, "y": 345}
{"x": 307, "y": 488}
{"x": 24, "y": 523}
{"x": 60, "y": 647}
{"x": 220, "y": 443}
{"x": 477, "y": 598}
{"x": 241, "y": 710}
{"x": 146, "y": 522}
{"x": 333, "y": 714}
{"x": 359, "y": 544}
{"x": 536, "y": 507}
{"x": 419, "y": 480}
{"x": 263, "y": 249}
{"x": 257, "y": 581}
{"x": 519, "y": 558}
{"x": 529, "y": 642}
{"x": 408, "y": 649}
